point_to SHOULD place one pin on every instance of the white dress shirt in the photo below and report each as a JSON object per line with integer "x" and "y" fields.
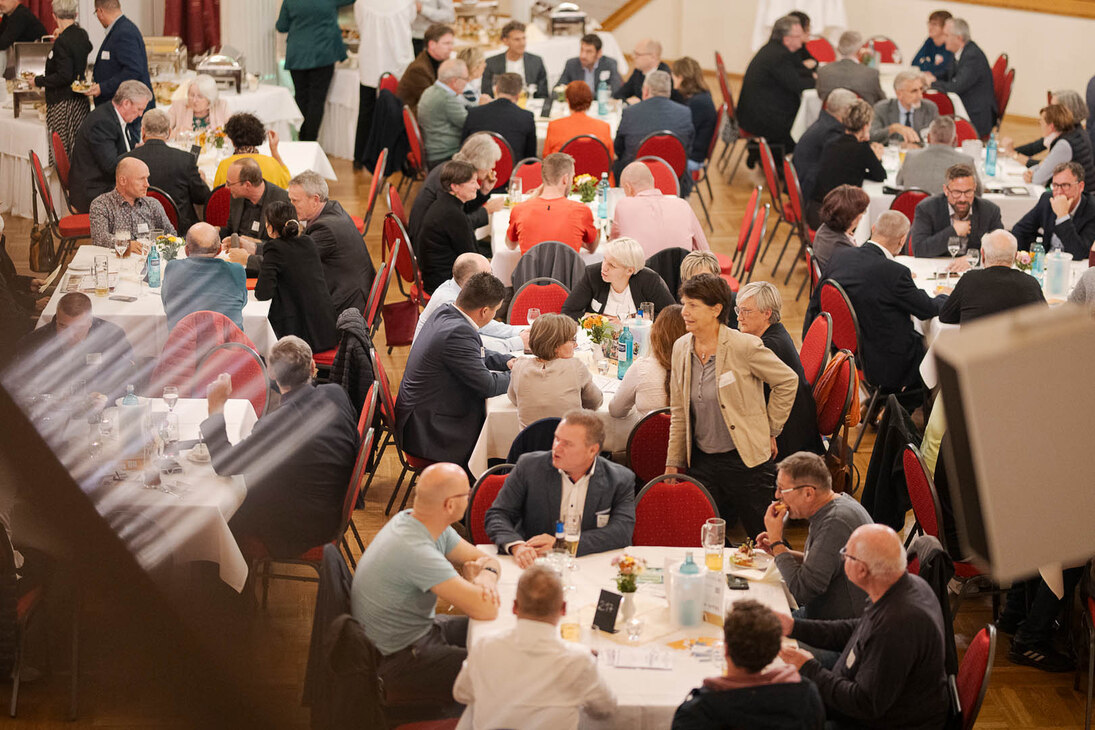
{"x": 496, "y": 336}
{"x": 573, "y": 499}
{"x": 528, "y": 677}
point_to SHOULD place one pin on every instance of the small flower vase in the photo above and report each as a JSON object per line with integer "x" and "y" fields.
{"x": 627, "y": 609}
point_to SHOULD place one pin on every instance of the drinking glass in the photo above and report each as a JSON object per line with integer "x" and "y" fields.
{"x": 647, "y": 311}
{"x": 170, "y": 397}
{"x": 155, "y": 234}
{"x": 533, "y": 313}
{"x": 514, "y": 191}
{"x": 713, "y": 537}
{"x": 102, "y": 276}
{"x": 634, "y": 629}
{"x": 121, "y": 242}
{"x": 973, "y": 257}
{"x": 169, "y": 429}
{"x": 954, "y": 243}
{"x": 572, "y": 532}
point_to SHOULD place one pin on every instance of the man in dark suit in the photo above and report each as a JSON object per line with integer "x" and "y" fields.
{"x": 900, "y": 119}
{"x": 570, "y": 482}
{"x": 449, "y": 375}
{"x": 592, "y": 66}
{"x": 849, "y": 73}
{"x": 772, "y": 89}
{"x": 346, "y": 264}
{"x": 122, "y": 57}
{"x": 532, "y": 66}
{"x": 828, "y": 127}
{"x": 995, "y": 288}
{"x": 247, "y": 212}
{"x": 970, "y": 76}
{"x": 654, "y": 113}
{"x": 957, "y": 212}
{"x": 422, "y": 71}
{"x": 504, "y": 117}
{"x": 172, "y": 170}
{"x": 646, "y": 57}
{"x": 885, "y": 299}
{"x": 296, "y": 462}
{"x": 19, "y": 24}
{"x": 101, "y": 140}
{"x": 1066, "y": 211}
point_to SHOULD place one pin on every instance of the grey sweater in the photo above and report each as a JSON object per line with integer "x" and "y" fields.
{"x": 818, "y": 583}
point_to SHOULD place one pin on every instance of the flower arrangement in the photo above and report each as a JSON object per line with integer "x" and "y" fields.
{"x": 214, "y": 137}
{"x": 169, "y": 246}
{"x": 1024, "y": 261}
{"x": 598, "y": 327}
{"x": 586, "y": 187}
{"x": 628, "y": 568}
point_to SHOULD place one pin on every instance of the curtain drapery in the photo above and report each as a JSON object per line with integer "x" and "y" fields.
{"x": 197, "y": 22}
{"x": 44, "y": 10}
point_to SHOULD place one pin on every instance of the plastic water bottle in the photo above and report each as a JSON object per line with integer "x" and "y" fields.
{"x": 602, "y": 97}
{"x": 688, "y": 590}
{"x": 130, "y": 398}
{"x": 1038, "y": 259}
{"x": 154, "y": 268}
{"x": 990, "y": 156}
{"x": 625, "y": 352}
{"x": 602, "y": 197}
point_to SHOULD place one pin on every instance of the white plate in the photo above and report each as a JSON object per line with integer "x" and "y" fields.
{"x": 195, "y": 458}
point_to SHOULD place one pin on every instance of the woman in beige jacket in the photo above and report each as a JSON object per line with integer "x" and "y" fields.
{"x": 721, "y": 431}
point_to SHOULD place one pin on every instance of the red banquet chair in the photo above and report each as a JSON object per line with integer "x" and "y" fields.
{"x": 834, "y": 406}
{"x": 999, "y": 74}
{"x": 374, "y": 189}
{"x": 942, "y": 101}
{"x": 486, "y": 488}
{"x": 543, "y": 292}
{"x": 974, "y": 674}
{"x": 701, "y": 175}
{"x": 409, "y": 463}
{"x": 797, "y": 220}
{"x": 189, "y": 340}
{"x": 395, "y": 205}
{"x": 62, "y": 166}
{"x": 67, "y": 229}
{"x": 504, "y": 167}
{"x": 400, "y": 318}
{"x": 169, "y": 206}
{"x": 216, "y": 208}
{"x": 1005, "y": 96}
{"x": 906, "y": 202}
{"x": 528, "y": 171}
{"x": 814, "y": 353}
{"x": 406, "y": 263}
{"x": 821, "y": 49}
{"x": 591, "y": 157}
{"x": 247, "y": 369}
{"x": 963, "y": 130}
{"x": 416, "y": 159}
{"x": 782, "y": 207}
{"x": 667, "y": 146}
{"x": 752, "y": 247}
{"x": 665, "y": 180}
{"x": 648, "y": 445}
{"x": 670, "y": 510}
{"x": 887, "y": 50}
{"x": 388, "y": 82}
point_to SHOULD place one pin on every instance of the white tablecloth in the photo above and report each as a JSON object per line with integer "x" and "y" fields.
{"x": 17, "y": 138}
{"x": 810, "y": 107}
{"x": 298, "y": 157}
{"x": 336, "y": 134}
{"x": 647, "y": 697}
{"x": 274, "y": 105}
{"x": 144, "y": 320}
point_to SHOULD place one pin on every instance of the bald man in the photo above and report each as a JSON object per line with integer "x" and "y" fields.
{"x": 125, "y": 208}
{"x": 201, "y": 281}
{"x": 891, "y": 671}
{"x": 646, "y": 57}
{"x": 415, "y": 559}
{"x": 654, "y": 220}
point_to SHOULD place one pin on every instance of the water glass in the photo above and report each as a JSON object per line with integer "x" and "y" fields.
{"x": 102, "y": 276}
{"x": 713, "y": 537}
{"x": 514, "y": 191}
{"x": 634, "y": 629}
{"x": 170, "y": 397}
{"x": 646, "y": 309}
{"x": 532, "y": 314}
{"x": 973, "y": 257}
{"x": 121, "y": 242}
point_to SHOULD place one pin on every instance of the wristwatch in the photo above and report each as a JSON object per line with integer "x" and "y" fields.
{"x": 783, "y": 542}
{"x": 491, "y": 569}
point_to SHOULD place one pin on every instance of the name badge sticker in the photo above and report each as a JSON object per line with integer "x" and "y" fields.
{"x": 142, "y": 228}
{"x": 106, "y": 55}
{"x": 726, "y": 378}
{"x": 255, "y": 226}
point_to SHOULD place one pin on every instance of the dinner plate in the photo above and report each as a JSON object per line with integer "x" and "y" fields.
{"x": 195, "y": 458}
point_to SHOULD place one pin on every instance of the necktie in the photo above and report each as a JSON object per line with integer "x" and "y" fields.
{"x": 908, "y": 118}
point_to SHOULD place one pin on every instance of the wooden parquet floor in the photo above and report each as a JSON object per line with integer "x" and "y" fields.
{"x": 1018, "y": 697}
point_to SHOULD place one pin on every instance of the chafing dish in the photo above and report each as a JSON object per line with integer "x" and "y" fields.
{"x": 227, "y": 68}
{"x": 166, "y": 54}
{"x": 29, "y": 61}
{"x": 567, "y": 19}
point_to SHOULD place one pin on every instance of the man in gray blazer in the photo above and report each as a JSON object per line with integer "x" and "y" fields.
{"x": 901, "y": 119}
{"x": 570, "y": 482}
{"x": 926, "y": 168}
{"x": 654, "y": 113}
{"x": 592, "y": 66}
{"x": 956, "y": 213}
{"x": 528, "y": 65}
{"x": 848, "y": 73}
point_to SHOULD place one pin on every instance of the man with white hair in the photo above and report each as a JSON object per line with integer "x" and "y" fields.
{"x": 970, "y": 76}
{"x": 995, "y": 288}
{"x": 900, "y": 119}
{"x": 891, "y": 670}
{"x": 170, "y": 169}
{"x": 828, "y": 127}
{"x": 201, "y": 281}
{"x": 654, "y": 113}
{"x": 849, "y": 73}
{"x": 654, "y": 220}
{"x": 127, "y": 208}
{"x": 442, "y": 110}
{"x": 927, "y": 168}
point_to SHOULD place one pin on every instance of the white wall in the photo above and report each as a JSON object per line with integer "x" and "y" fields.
{"x": 1047, "y": 51}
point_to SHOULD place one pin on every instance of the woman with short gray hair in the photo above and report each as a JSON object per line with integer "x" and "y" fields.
{"x": 759, "y": 309}
{"x": 201, "y": 110}
{"x": 65, "y": 106}
{"x": 619, "y": 284}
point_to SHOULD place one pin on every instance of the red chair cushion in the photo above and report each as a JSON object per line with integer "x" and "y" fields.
{"x": 972, "y": 673}
{"x": 400, "y": 321}
{"x": 734, "y": 284}
{"x": 75, "y": 226}
{"x": 485, "y": 493}
{"x": 251, "y": 284}
{"x": 359, "y": 224}
{"x": 725, "y": 263}
{"x": 648, "y": 447}
{"x": 417, "y": 462}
{"x": 671, "y": 515}
{"x": 327, "y": 357}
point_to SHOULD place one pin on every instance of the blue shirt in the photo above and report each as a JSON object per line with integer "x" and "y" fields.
{"x": 195, "y": 284}
{"x": 391, "y": 594}
{"x": 933, "y": 58}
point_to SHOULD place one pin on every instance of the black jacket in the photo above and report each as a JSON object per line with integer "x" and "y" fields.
{"x": 515, "y": 124}
{"x": 429, "y": 192}
{"x": 786, "y": 706}
{"x": 931, "y": 226}
{"x": 971, "y": 78}
{"x": 346, "y": 264}
{"x": 176, "y": 173}
{"x": 351, "y": 367}
{"x": 387, "y": 131}
{"x": 1077, "y": 233}
{"x": 21, "y": 25}
{"x": 704, "y": 117}
{"x": 66, "y": 62}
{"x": 292, "y": 277}
{"x": 845, "y": 161}
{"x": 100, "y": 141}
{"x": 885, "y": 494}
{"x": 1077, "y": 140}
{"x": 807, "y": 159}
{"x": 254, "y": 225}
{"x": 535, "y": 73}
{"x": 771, "y": 92}
{"x": 633, "y": 87}
{"x": 444, "y": 236}
{"x": 800, "y": 431}
{"x": 121, "y": 57}
{"x": 646, "y": 286}
{"x": 44, "y": 365}
{"x": 987, "y": 291}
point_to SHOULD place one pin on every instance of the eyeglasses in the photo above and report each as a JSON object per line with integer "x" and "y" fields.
{"x": 794, "y": 489}
{"x": 961, "y": 193}
{"x": 844, "y": 554}
{"x": 742, "y": 310}
{"x": 1063, "y": 186}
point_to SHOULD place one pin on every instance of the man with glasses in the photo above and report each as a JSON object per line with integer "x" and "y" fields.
{"x": 442, "y": 110}
{"x": 814, "y": 576}
{"x": 1065, "y": 212}
{"x": 246, "y": 217}
{"x": 900, "y": 120}
{"x": 890, "y": 672}
{"x": 956, "y": 213}
{"x": 646, "y": 57}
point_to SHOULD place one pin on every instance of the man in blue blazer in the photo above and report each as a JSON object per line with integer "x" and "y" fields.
{"x": 449, "y": 376}
{"x": 970, "y": 76}
{"x": 653, "y": 114}
{"x": 569, "y": 482}
{"x": 592, "y": 66}
{"x": 121, "y": 57}
{"x": 532, "y": 66}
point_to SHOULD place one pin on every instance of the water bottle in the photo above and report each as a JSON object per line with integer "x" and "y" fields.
{"x": 872, "y": 55}
{"x": 626, "y": 352}
{"x": 990, "y": 156}
{"x": 602, "y": 197}
{"x": 688, "y": 593}
{"x": 154, "y": 268}
{"x": 130, "y": 398}
{"x": 602, "y": 97}
{"x": 1038, "y": 259}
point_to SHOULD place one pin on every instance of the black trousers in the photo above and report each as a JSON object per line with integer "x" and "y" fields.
{"x": 740, "y": 492}
{"x": 311, "y": 86}
{"x": 366, "y": 97}
{"x": 427, "y": 670}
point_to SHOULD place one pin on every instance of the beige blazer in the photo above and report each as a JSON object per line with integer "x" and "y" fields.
{"x": 744, "y": 365}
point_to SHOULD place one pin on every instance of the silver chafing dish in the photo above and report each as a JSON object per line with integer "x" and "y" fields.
{"x": 476, "y": 8}
{"x": 29, "y": 61}
{"x": 166, "y": 54}
{"x": 567, "y": 19}
{"x": 227, "y": 68}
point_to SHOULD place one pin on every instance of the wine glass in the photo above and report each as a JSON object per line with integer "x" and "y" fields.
{"x": 572, "y": 533}
{"x": 533, "y": 313}
{"x": 121, "y": 243}
{"x": 170, "y": 397}
{"x": 954, "y": 243}
{"x": 973, "y": 257}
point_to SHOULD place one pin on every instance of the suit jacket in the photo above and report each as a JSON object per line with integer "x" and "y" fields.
{"x": 885, "y": 298}
{"x": 535, "y": 73}
{"x": 800, "y": 431}
{"x": 844, "y": 161}
{"x": 807, "y": 157}
{"x": 346, "y": 264}
{"x": 645, "y": 284}
{"x": 423, "y": 201}
{"x": 297, "y": 464}
{"x": 926, "y": 168}
{"x": 416, "y": 78}
{"x": 442, "y": 400}
{"x": 993, "y": 289}
{"x": 176, "y": 173}
{"x": 770, "y": 94}
{"x": 888, "y": 111}
{"x": 99, "y": 142}
{"x": 66, "y": 62}
{"x": 515, "y": 124}
{"x": 121, "y": 57}
{"x": 530, "y": 500}
{"x": 444, "y": 236}
{"x": 634, "y": 84}
{"x": 573, "y": 71}
{"x": 932, "y": 227}
{"x": 971, "y": 78}
{"x": 1076, "y": 233}
{"x": 652, "y": 115}
{"x": 850, "y": 75}
{"x": 271, "y": 194}
{"x": 292, "y": 276}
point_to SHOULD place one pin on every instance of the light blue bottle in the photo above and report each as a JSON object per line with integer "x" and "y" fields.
{"x": 602, "y": 98}
{"x": 154, "y": 268}
{"x": 990, "y": 156}
{"x": 130, "y": 398}
{"x": 602, "y": 197}
{"x": 1038, "y": 259}
{"x": 625, "y": 352}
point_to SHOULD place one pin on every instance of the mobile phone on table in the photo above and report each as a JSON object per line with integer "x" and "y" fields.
{"x": 736, "y": 583}
{"x": 122, "y": 298}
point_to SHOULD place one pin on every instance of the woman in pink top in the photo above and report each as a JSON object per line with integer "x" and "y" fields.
{"x": 203, "y": 108}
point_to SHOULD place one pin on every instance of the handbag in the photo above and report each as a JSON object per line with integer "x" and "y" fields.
{"x": 42, "y": 251}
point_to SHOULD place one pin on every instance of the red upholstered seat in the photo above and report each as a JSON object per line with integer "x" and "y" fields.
{"x": 845, "y": 326}
{"x": 77, "y": 225}
{"x": 671, "y": 514}
{"x": 814, "y": 353}
{"x": 192, "y": 337}
{"x": 482, "y": 497}
{"x": 243, "y": 364}
{"x": 543, "y": 292}
{"x": 648, "y": 445}
{"x": 591, "y": 157}
{"x": 974, "y": 673}
{"x": 359, "y": 223}
{"x": 528, "y": 171}
{"x": 834, "y": 403}
{"x": 821, "y": 49}
{"x": 941, "y": 100}
{"x": 216, "y": 208}
{"x": 665, "y": 179}
{"x": 325, "y": 358}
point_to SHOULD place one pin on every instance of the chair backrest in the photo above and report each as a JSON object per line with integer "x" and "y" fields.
{"x": 756, "y": 235}
{"x": 999, "y": 72}
{"x": 406, "y": 263}
{"x": 671, "y": 514}
{"x": 667, "y": 264}
{"x": 60, "y": 159}
{"x": 814, "y": 353}
{"x": 771, "y": 176}
{"x": 974, "y": 674}
{"x": 247, "y": 369}
{"x": 747, "y": 220}
{"x": 591, "y": 157}
{"x": 666, "y": 145}
{"x": 815, "y": 269}
{"x": 835, "y": 391}
{"x": 395, "y": 204}
{"x": 377, "y": 295}
{"x": 414, "y": 138}
{"x": 922, "y": 494}
{"x": 357, "y": 478}
{"x": 1005, "y": 96}
{"x": 888, "y": 52}
{"x": 963, "y": 130}
{"x": 720, "y": 119}
{"x": 368, "y": 409}
{"x": 544, "y": 293}
{"x": 38, "y": 177}
{"x": 504, "y": 167}
{"x": 648, "y": 445}
{"x": 374, "y": 186}
{"x": 835, "y": 301}
{"x": 942, "y": 101}
{"x": 169, "y": 206}
{"x": 821, "y": 49}
{"x": 549, "y": 258}
{"x": 724, "y": 83}
{"x": 794, "y": 192}
{"x": 190, "y": 338}
{"x": 665, "y": 180}
{"x": 386, "y": 400}
{"x": 216, "y": 208}
{"x": 483, "y": 493}
{"x": 907, "y": 200}
{"x": 537, "y": 436}
{"x": 388, "y": 82}
{"x": 529, "y": 173}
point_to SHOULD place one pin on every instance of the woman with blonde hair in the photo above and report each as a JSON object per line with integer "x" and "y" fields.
{"x": 646, "y": 384}
{"x": 473, "y": 58}
{"x": 551, "y": 382}
{"x": 616, "y": 286}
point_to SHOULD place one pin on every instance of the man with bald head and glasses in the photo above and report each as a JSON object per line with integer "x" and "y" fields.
{"x": 1065, "y": 211}
{"x": 956, "y": 212}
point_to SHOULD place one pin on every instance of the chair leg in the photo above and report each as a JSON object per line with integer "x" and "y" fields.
{"x": 958, "y": 599}
{"x": 875, "y": 400}
{"x": 75, "y": 660}
{"x": 395, "y": 491}
{"x": 357, "y": 536}
{"x": 786, "y": 242}
{"x": 349, "y": 553}
{"x": 710, "y": 195}
{"x": 802, "y": 286}
{"x": 407, "y": 494}
{"x": 768, "y": 243}
{"x": 800, "y": 254}
{"x": 376, "y": 462}
{"x": 699, "y": 194}
{"x": 734, "y": 171}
